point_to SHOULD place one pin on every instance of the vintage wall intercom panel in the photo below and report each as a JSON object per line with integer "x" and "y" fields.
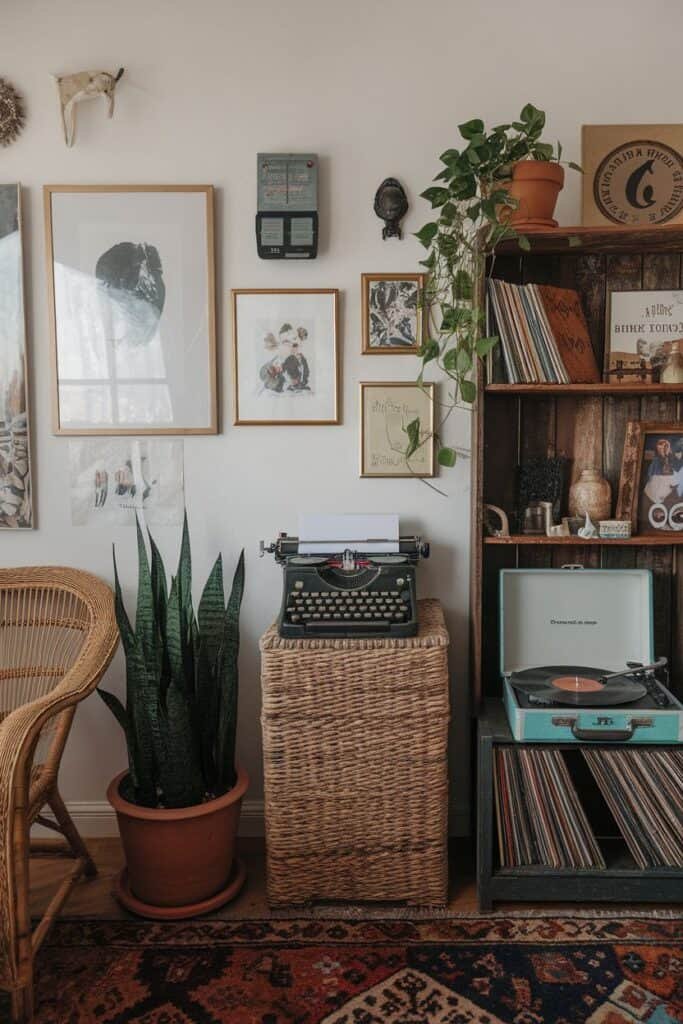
{"x": 287, "y": 217}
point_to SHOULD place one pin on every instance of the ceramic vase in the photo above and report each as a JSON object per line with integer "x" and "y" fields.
{"x": 590, "y": 494}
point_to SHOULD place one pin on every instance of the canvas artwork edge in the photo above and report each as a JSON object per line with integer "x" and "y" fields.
{"x": 16, "y": 490}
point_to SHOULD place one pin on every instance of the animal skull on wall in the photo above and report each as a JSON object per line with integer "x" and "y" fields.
{"x": 83, "y": 85}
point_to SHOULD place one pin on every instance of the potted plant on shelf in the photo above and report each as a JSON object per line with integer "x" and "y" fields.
{"x": 178, "y": 805}
{"x": 483, "y": 194}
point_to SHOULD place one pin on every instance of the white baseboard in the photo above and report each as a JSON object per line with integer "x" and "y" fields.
{"x": 95, "y": 819}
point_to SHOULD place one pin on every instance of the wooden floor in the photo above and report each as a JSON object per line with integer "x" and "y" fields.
{"x": 93, "y": 898}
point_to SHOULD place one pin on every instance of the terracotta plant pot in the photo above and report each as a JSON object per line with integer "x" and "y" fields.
{"x": 179, "y": 861}
{"x": 536, "y": 185}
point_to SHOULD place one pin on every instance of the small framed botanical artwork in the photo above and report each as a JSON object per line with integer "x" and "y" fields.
{"x": 651, "y": 484}
{"x": 632, "y": 174}
{"x": 645, "y": 337}
{"x": 286, "y": 359}
{"x": 392, "y": 313}
{"x": 391, "y": 444}
{"x": 132, "y": 308}
{"x": 16, "y": 507}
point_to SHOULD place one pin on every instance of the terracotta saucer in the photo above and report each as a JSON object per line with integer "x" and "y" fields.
{"x": 123, "y": 893}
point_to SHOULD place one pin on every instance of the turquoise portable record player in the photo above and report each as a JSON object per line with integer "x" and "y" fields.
{"x": 577, "y": 658}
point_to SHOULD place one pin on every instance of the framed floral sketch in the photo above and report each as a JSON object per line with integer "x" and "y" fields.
{"x": 387, "y": 409}
{"x": 286, "y": 359}
{"x": 131, "y": 290}
{"x": 651, "y": 482}
{"x": 392, "y": 313}
{"x": 16, "y": 504}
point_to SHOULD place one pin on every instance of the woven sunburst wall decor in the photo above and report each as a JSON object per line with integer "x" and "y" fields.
{"x": 12, "y": 115}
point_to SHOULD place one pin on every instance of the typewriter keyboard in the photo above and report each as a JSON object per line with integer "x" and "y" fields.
{"x": 352, "y": 610}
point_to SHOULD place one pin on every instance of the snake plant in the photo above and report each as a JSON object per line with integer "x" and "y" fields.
{"x": 180, "y": 713}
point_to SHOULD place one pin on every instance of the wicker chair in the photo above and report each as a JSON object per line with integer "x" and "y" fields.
{"x": 57, "y": 636}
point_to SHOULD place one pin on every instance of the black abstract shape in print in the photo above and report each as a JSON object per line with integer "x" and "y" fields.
{"x": 131, "y": 276}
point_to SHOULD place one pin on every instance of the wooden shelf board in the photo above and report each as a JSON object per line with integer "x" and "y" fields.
{"x": 543, "y": 390}
{"x": 601, "y": 239}
{"x": 643, "y": 540}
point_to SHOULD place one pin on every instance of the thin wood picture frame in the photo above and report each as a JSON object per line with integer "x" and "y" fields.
{"x": 665, "y": 506}
{"x": 384, "y": 441}
{"x": 389, "y": 312}
{"x": 287, "y": 367}
{"x": 149, "y": 260}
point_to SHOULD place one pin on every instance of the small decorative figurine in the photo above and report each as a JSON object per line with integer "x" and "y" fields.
{"x": 588, "y": 529}
{"x": 12, "y": 117}
{"x": 83, "y": 85}
{"x": 391, "y": 206}
{"x": 493, "y": 529}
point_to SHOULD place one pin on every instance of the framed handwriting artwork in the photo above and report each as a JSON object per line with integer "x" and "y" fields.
{"x": 392, "y": 313}
{"x": 387, "y": 413}
{"x": 132, "y": 308}
{"x": 286, "y": 358}
{"x": 16, "y": 507}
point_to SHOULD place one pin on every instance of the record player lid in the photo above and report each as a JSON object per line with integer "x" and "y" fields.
{"x": 600, "y": 617}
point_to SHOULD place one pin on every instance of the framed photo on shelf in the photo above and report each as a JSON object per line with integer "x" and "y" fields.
{"x": 633, "y": 174}
{"x": 645, "y": 337}
{"x": 651, "y": 482}
{"x": 16, "y": 504}
{"x": 392, "y": 313}
{"x": 386, "y": 411}
{"x": 286, "y": 356}
{"x": 131, "y": 291}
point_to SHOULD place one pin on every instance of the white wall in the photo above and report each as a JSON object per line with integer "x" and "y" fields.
{"x": 376, "y": 88}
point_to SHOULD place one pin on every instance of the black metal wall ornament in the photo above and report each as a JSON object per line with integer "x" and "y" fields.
{"x": 12, "y": 117}
{"x": 391, "y": 206}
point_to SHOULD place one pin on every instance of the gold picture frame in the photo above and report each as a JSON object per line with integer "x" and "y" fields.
{"x": 288, "y": 370}
{"x": 403, "y": 303}
{"x": 383, "y": 440}
{"x": 651, "y": 478}
{"x": 198, "y": 256}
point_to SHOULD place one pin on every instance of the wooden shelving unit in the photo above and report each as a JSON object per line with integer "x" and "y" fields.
{"x": 587, "y": 423}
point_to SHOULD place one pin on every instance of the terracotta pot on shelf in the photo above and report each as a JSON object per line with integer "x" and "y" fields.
{"x": 590, "y": 495}
{"x": 180, "y": 861}
{"x": 536, "y": 185}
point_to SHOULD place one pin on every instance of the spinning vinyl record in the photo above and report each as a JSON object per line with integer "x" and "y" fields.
{"x": 576, "y": 686}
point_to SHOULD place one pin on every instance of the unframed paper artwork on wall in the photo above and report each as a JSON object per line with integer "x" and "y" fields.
{"x": 132, "y": 303}
{"x": 113, "y": 480}
{"x": 285, "y": 356}
{"x": 16, "y": 509}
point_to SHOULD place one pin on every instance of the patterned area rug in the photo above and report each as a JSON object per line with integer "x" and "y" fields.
{"x": 564, "y": 970}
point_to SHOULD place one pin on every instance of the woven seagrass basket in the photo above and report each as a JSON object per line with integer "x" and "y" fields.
{"x": 355, "y": 763}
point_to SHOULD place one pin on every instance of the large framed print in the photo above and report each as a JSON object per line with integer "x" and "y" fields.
{"x": 16, "y": 505}
{"x": 651, "y": 483}
{"x": 392, "y": 313}
{"x": 386, "y": 411}
{"x": 286, "y": 359}
{"x": 632, "y": 174}
{"x": 132, "y": 308}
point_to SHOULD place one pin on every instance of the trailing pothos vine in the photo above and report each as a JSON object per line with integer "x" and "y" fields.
{"x": 474, "y": 206}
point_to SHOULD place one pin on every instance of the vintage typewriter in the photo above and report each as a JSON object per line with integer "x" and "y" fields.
{"x": 348, "y": 593}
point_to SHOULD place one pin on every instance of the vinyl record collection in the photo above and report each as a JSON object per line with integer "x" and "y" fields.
{"x": 642, "y": 789}
{"x": 541, "y": 821}
{"x": 543, "y": 333}
{"x": 540, "y": 818}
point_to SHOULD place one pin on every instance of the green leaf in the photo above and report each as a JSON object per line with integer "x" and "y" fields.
{"x": 228, "y": 680}
{"x": 180, "y": 776}
{"x": 184, "y": 575}
{"x": 470, "y": 128}
{"x": 524, "y": 243}
{"x": 413, "y": 432}
{"x": 450, "y": 359}
{"x": 575, "y": 167}
{"x": 211, "y": 611}
{"x": 427, "y": 233}
{"x": 447, "y": 457}
{"x": 468, "y": 390}
{"x": 473, "y": 211}
{"x": 484, "y": 345}
{"x": 145, "y": 620}
{"x": 449, "y": 156}
{"x": 463, "y": 285}
{"x": 429, "y": 350}
{"x": 117, "y": 709}
{"x": 436, "y": 196}
{"x": 122, "y": 620}
{"x": 463, "y": 362}
{"x": 543, "y": 151}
